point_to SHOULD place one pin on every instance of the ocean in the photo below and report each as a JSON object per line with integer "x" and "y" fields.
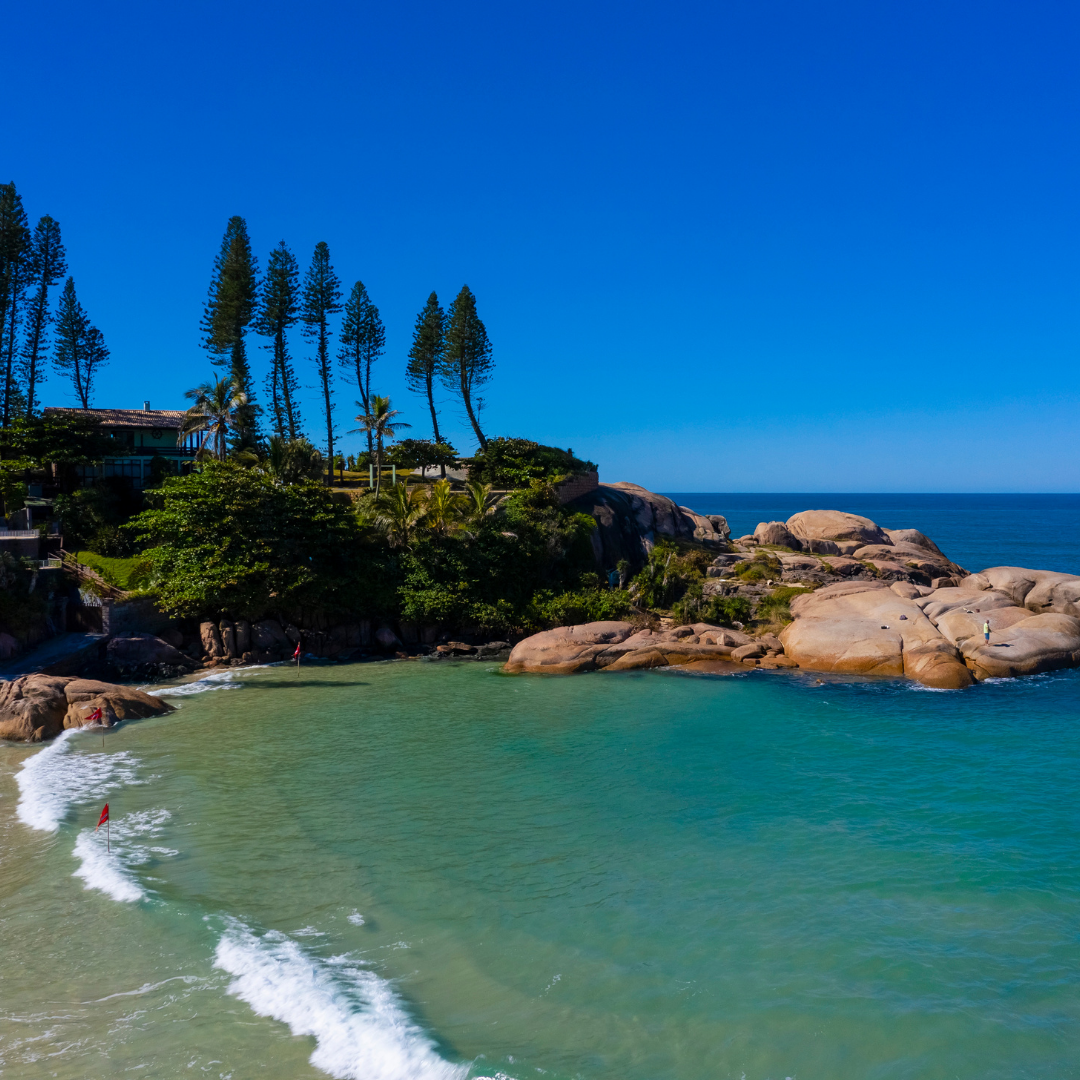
{"x": 407, "y": 870}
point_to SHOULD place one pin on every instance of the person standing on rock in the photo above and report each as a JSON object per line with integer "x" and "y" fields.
{"x": 986, "y": 631}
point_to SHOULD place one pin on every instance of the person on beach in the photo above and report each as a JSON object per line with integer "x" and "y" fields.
{"x": 986, "y": 631}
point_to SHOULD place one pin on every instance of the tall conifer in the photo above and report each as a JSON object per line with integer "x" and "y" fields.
{"x": 230, "y": 307}
{"x": 14, "y": 276}
{"x": 80, "y": 347}
{"x": 48, "y": 264}
{"x": 468, "y": 356}
{"x": 427, "y": 355}
{"x": 277, "y": 313}
{"x": 363, "y": 341}
{"x": 322, "y": 298}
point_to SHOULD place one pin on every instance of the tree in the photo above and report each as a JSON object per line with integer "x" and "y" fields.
{"x": 421, "y": 454}
{"x": 290, "y": 461}
{"x": 215, "y": 414}
{"x": 48, "y": 264}
{"x": 426, "y": 357}
{"x": 378, "y": 423}
{"x": 230, "y": 306}
{"x": 444, "y": 509}
{"x": 322, "y": 298}
{"x": 363, "y": 341}
{"x": 14, "y": 276}
{"x": 468, "y": 356}
{"x": 400, "y": 511}
{"x": 80, "y": 347}
{"x": 277, "y": 313}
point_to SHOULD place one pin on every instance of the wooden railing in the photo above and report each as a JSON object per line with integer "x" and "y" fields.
{"x": 83, "y": 572}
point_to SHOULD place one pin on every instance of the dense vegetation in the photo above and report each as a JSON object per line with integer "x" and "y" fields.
{"x": 236, "y": 540}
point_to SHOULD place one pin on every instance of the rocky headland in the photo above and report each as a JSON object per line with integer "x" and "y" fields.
{"x": 870, "y": 601}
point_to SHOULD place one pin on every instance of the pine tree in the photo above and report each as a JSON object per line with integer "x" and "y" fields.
{"x": 468, "y": 356}
{"x": 322, "y": 298}
{"x": 47, "y": 266}
{"x": 80, "y": 347}
{"x": 363, "y": 341}
{"x": 230, "y": 306}
{"x": 277, "y": 313}
{"x": 427, "y": 355}
{"x": 14, "y": 276}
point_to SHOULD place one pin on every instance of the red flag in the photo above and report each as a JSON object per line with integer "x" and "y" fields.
{"x": 296, "y": 655}
{"x": 104, "y": 817}
{"x": 95, "y": 715}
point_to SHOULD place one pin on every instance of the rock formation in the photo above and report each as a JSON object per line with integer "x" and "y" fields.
{"x": 38, "y": 707}
{"x": 884, "y": 602}
{"x": 630, "y": 519}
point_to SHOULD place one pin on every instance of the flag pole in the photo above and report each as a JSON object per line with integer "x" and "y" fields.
{"x": 108, "y": 837}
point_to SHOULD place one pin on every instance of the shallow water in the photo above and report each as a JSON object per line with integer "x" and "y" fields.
{"x": 406, "y": 870}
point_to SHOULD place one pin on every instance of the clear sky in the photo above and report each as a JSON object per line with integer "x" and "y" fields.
{"x": 788, "y": 246}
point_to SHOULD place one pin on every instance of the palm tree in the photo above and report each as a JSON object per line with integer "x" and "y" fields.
{"x": 214, "y": 414}
{"x": 402, "y": 509}
{"x": 444, "y": 509}
{"x": 289, "y": 461}
{"x": 480, "y": 499}
{"x": 380, "y": 423}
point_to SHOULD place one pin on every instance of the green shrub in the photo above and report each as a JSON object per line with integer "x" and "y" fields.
{"x": 728, "y": 610}
{"x": 763, "y": 567}
{"x": 515, "y": 463}
{"x": 776, "y": 606}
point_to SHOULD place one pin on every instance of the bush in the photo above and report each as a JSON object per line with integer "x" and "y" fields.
{"x": 776, "y": 606}
{"x": 585, "y": 605}
{"x": 515, "y": 463}
{"x": 763, "y": 567}
{"x": 671, "y": 570}
{"x": 729, "y": 610}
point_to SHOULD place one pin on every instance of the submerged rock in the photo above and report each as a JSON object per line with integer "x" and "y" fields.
{"x": 38, "y": 707}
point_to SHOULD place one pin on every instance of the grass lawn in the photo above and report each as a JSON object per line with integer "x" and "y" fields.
{"x": 115, "y": 571}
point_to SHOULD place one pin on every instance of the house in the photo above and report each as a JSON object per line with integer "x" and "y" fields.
{"x": 147, "y": 433}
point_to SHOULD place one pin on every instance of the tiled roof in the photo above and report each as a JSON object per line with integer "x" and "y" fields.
{"x": 128, "y": 418}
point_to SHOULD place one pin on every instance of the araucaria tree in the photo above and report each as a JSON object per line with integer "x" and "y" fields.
{"x": 47, "y": 266}
{"x": 230, "y": 306}
{"x": 14, "y": 275}
{"x": 363, "y": 341}
{"x": 468, "y": 357}
{"x": 277, "y": 313}
{"x": 426, "y": 356}
{"x": 322, "y": 298}
{"x": 80, "y": 347}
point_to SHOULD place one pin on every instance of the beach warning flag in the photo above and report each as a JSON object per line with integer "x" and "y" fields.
{"x": 296, "y": 655}
{"x": 104, "y": 817}
{"x": 95, "y": 716}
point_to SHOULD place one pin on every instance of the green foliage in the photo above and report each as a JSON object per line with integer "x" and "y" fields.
{"x": 468, "y": 364}
{"x": 420, "y": 454}
{"x": 580, "y": 606}
{"x": 279, "y": 311}
{"x": 728, "y": 610}
{"x": 131, "y": 573}
{"x": 426, "y": 357}
{"x": 322, "y": 298}
{"x": 290, "y": 461}
{"x": 515, "y": 463}
{"x": 80, "y": 346}
{"x": 363, "y": 341}
{"x": 92, "y": 517}
{"x": 232, "y": 539}
{"x": 775, "y": 607}
{"x": 15, "y": 275}
{"x": 13, "y": 487}
{"x": 48, "y": 264}
{"x": 763, "y": 567}
{"x": 668, "y": 574}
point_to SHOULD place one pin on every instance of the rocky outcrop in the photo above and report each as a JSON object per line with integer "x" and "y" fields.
{"x": 38, "y": 707}
{"x": 630, "y": 519}
{"x": 617, "y": 646}
{"x": 145, "y": 655}
{"x": 835, "y": 525}
{"x": 778, "y": 534}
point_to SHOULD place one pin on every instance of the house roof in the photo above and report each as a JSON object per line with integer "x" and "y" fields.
{"x": 127, "y": 418}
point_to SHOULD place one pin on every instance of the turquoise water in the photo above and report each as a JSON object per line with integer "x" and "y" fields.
{"x": 406, "y": 870}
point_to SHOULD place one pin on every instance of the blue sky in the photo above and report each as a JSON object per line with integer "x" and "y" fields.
{"x": 718, "y": 247}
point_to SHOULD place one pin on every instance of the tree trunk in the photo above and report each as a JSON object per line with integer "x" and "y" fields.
{"x": 324, "y": 369}
{"x": 467, "y": 398}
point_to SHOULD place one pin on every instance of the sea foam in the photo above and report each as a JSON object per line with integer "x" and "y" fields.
{"x": 112, "y": 871}
{"x": 361, "y": 1030}
{"x": 54, "y": 778}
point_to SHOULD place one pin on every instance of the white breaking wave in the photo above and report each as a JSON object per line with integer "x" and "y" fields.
{"x": 220, "y": 680}
{"x": 355, "y": 918}
{"x": 111, "y": 872}
{"x": 360, "y": 1028}
{"x": 54, "y": 778}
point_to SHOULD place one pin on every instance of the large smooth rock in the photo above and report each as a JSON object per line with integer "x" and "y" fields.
{"x": 267, "y": 635}
{"x": 566, "y": 649}
{"x": 856, "y": 628}
{"x": 210, "y": 637}
{"x": 38, "y": 707}
{"x": 776, "y": 532}
{"x": 1042, "y": 591}
{"x": 913, "y": 536}
{"x": 835, "y": 525}
{"x": 1026, "y": 647}
{"x": 909, "y": 557}
{"x": 630, "y": 519}
{"x": 145, "y": 651}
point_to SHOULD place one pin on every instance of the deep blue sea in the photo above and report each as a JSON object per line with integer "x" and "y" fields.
{"x": 1038, "y": 531}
